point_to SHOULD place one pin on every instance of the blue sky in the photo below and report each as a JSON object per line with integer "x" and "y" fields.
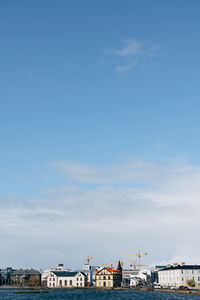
{"x": 99, "y": 103}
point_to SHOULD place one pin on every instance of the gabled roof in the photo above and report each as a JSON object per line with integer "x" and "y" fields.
{"x": 67, "y": 274}
{"x": 110, "y": 270}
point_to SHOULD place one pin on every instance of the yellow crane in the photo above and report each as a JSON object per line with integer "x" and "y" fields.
{"x": 139, "y": 257}
{"x": 89, "y": 259}
{"x": 123, "y": 262}
{"x": 131, "y": 263}
{"x": 108, "y": 265}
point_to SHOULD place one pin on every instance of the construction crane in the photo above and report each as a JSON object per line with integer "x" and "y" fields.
{"x": 130, "y": 262}
{"x": 139, "y": 257}
{"x": 111, "y": 264}
{"x": 89, "y": 259}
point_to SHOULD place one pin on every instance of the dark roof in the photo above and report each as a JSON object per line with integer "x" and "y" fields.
{"x": 25, "y": 272}
{"x": 186, "y": 267}
{"x": 65, "y": 274}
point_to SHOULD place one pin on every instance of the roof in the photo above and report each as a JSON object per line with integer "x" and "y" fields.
{"x": 179, "y": 267}
{"x": 24, "y": 272}
{"x": 67, "y": 274}
{"x": 160, "y": 267}
{"x": 111, "y": 270}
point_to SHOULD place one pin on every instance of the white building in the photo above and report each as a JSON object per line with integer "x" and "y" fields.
{"x": 178, "y": 275}
{"x": 141, "y": 277}
{"x": 45, "y": 273}
{"x": 62, "y": 279}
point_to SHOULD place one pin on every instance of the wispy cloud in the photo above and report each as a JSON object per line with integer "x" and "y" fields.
{"x": 132, "y": 54}
{"x": 26, "y": 74}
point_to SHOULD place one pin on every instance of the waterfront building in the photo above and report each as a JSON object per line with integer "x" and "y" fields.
{"x": 109, "y": 277}
{"x": 45, "y": 273}
{"x": 25, "y": 277}
{"x": 21, "y": 277}
{"x": 57, "y": 279}
{"x": 5, "y": 276}
{"x": 177, "y": 275}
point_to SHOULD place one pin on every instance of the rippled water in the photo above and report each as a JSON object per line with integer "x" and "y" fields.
{"x": 94, "y": 294}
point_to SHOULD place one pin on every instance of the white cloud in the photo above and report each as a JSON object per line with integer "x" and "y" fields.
{"x": 133, "y": 54}
{"x": 137, "y": 170}
{"x": 133, "y": 205}
{"x": 131, "y": 48}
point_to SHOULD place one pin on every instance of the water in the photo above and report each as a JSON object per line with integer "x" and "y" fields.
{"x": 94, "y": 295}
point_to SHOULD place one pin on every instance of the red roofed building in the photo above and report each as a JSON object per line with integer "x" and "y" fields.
{"x": 109, "y": 277}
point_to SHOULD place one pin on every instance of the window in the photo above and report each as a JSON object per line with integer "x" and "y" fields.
{"x": 198, "y": 278}
{"x": 80, "y": 284}
{"x": 49, "y": 284}
{"x": 77, "y": 278}
{"x": 192, "y": 271}
{"x": 70, "y": 282}
{"x": 53, "y": 284}
{"x": 60, "y": 282}
{"x": 53, "y": 279}
{"x": 65, "y": 282}
{"x": 50, "y": 279}
{"x": 109, "y": 277}
{"x": 77, "y": 284}
{"x": 81, "y": 279}
{"x": 104, "y": 277}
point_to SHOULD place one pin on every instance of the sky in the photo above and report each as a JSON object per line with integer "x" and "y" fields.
{"x": 99, "y": 131}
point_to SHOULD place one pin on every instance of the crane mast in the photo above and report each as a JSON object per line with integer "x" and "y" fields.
{"x": 138, "y": 255}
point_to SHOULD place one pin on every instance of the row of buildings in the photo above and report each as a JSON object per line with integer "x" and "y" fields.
{"x": 105, "y": 277}
{"x": 100, "y": 277}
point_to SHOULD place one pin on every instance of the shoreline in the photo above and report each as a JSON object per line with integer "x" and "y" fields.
{"x": 192, "y": 292}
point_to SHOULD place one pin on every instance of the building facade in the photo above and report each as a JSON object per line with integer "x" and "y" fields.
{"x": 66, "y": 279}
{"x": 25, "y": 277}
{"x": 21, "y": 277}
{"x": 46, "y": 273}
{"x": 109, "y": 277}
{"x": 178, "y": 275}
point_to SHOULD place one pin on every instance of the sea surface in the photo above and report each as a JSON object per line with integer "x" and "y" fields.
{"x": 94, "y": 295}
